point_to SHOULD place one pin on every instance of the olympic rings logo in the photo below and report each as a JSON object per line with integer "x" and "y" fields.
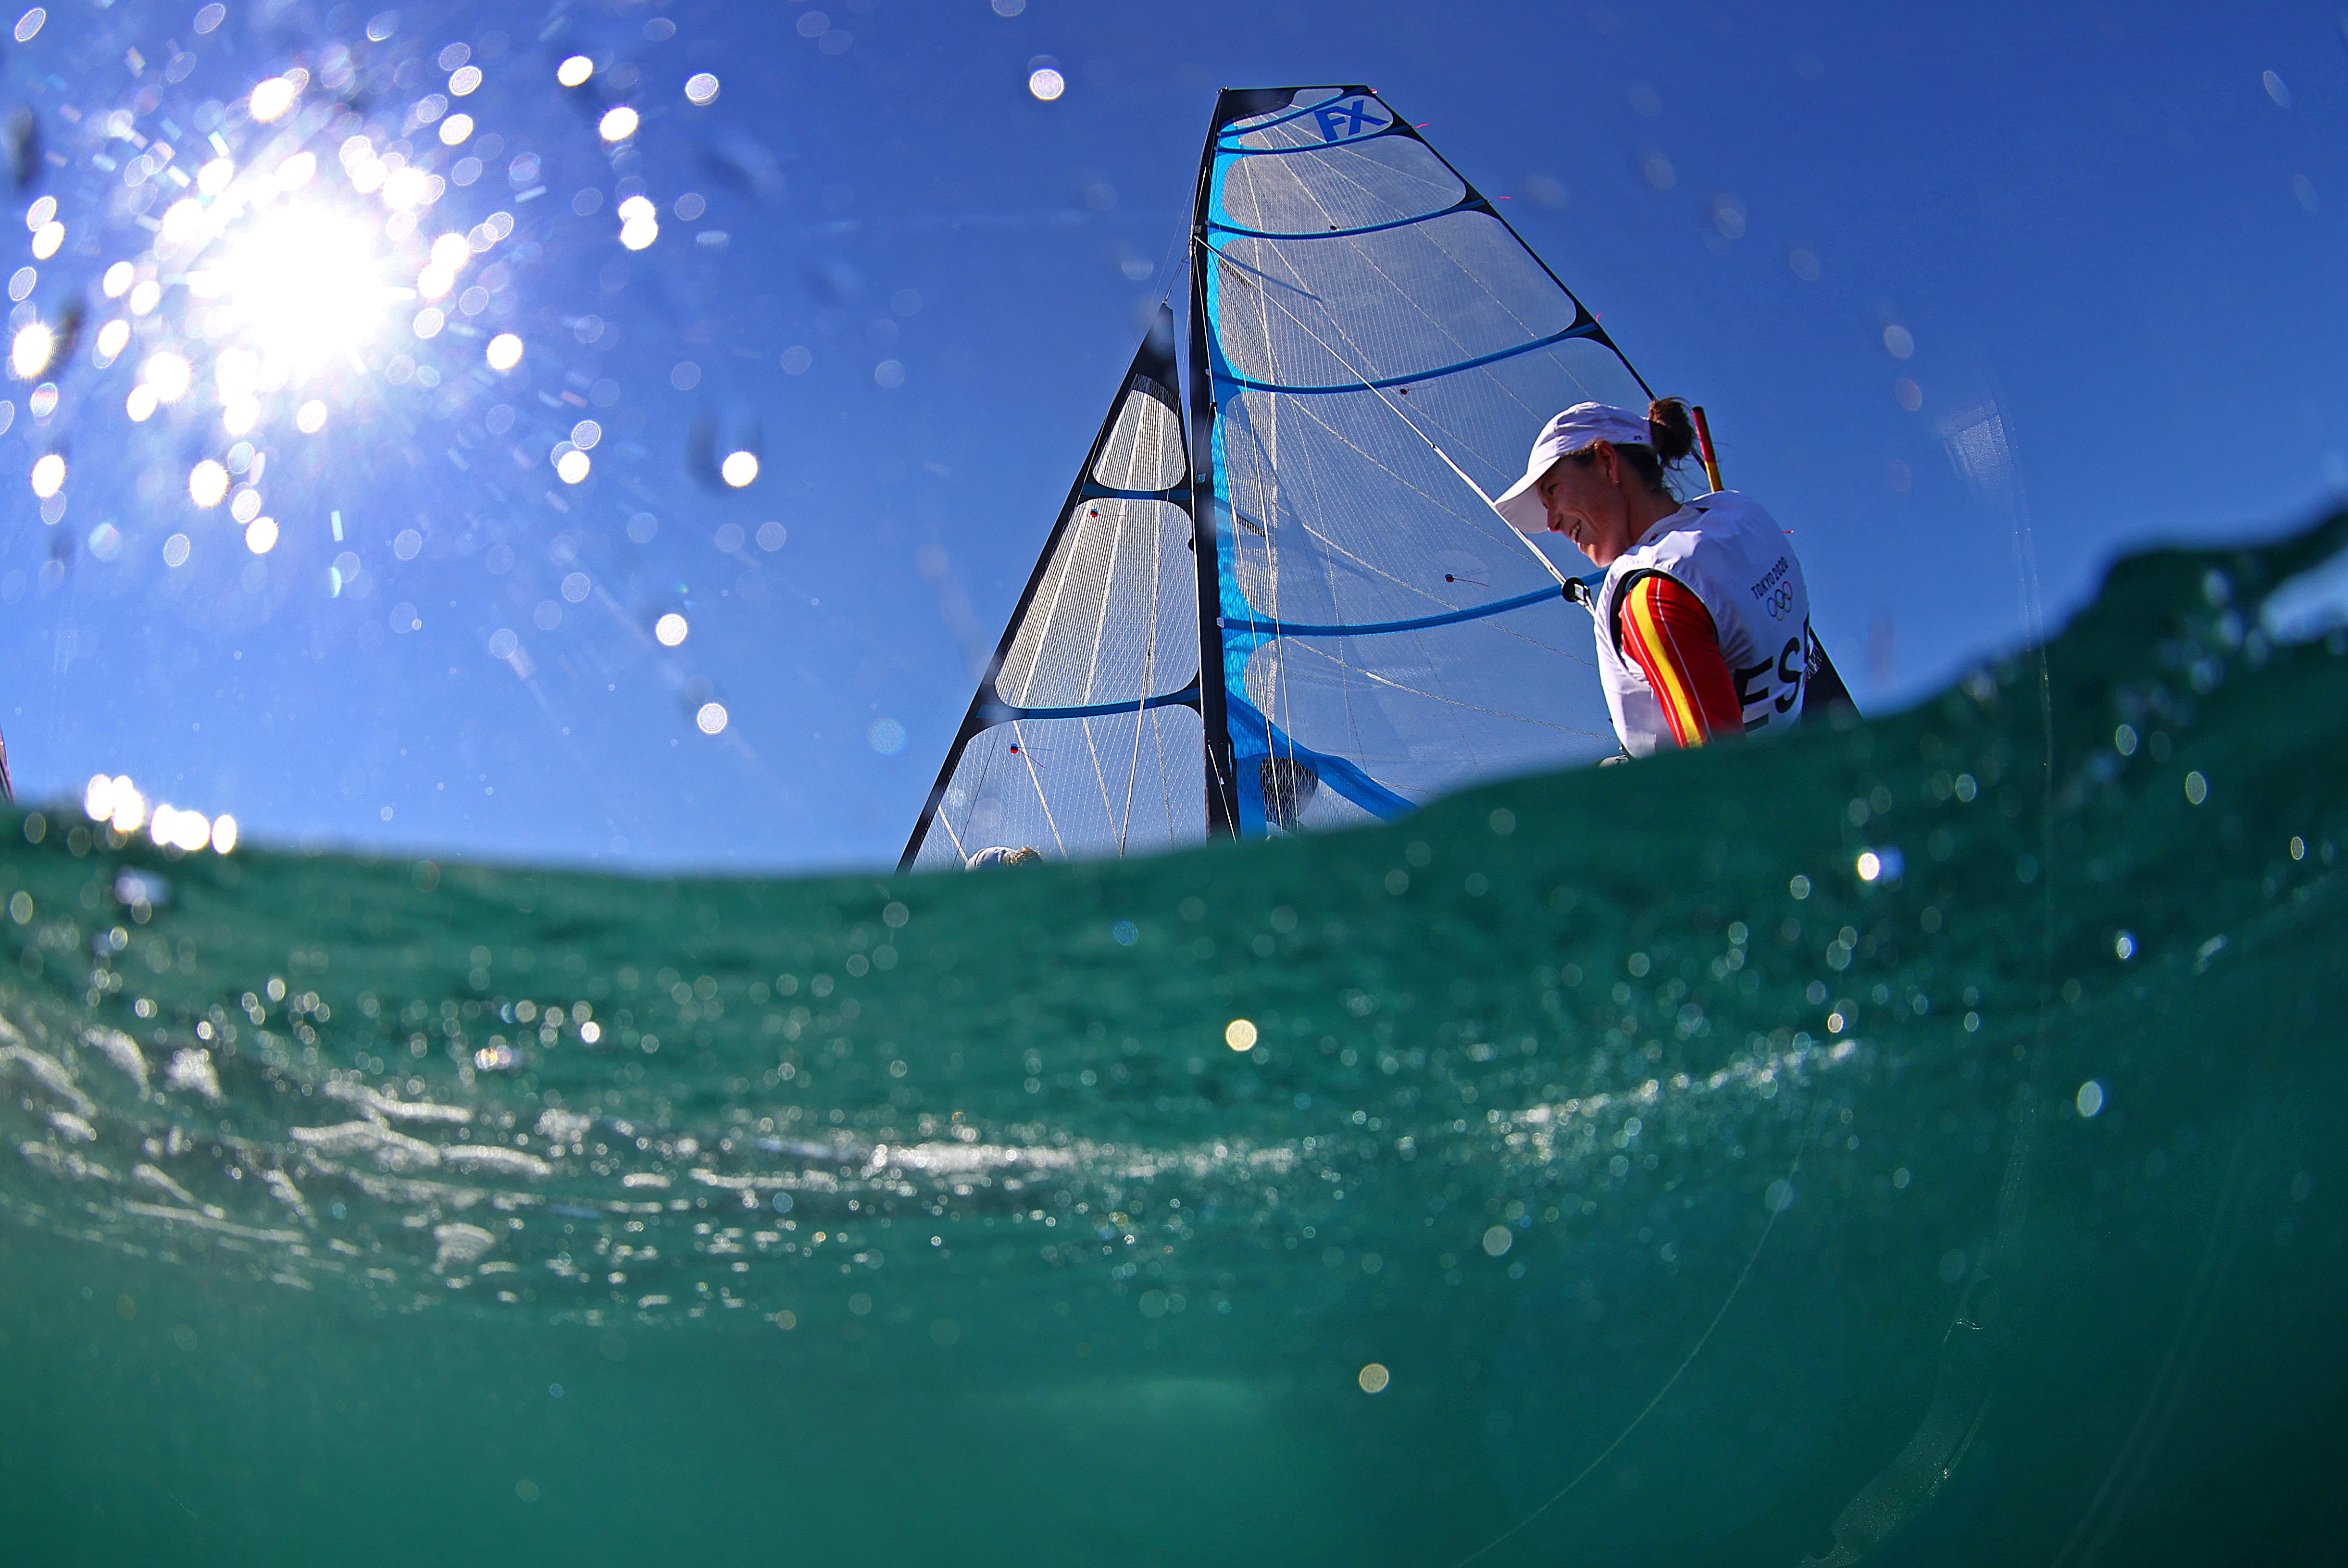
{"x": 1781, "y": 602}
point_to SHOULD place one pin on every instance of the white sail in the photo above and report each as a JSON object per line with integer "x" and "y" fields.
{"x": 1083, "y": 739}
{"x": 1308, "y": 614}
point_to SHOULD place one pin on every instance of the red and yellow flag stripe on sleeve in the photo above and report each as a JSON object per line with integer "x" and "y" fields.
{"x": 1669, "y": 634}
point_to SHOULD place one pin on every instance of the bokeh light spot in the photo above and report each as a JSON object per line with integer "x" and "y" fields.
{"x": 711, "y": 719}
{"x": 701, "y": 88}
{"x": 1046, "y": 83}
{"x": 117, "y": 280}
{"x": 261, "y": 535}
{"x": 574, "y": 70}
{"x": 456, "y": 129}
{"x": 886, "y": 737}
{"x": 618, "y": 124}
{"x": 571, "y": 466}
{"x": 48, "y": 475}
{"x": 463, "y": 80}
{"x": 1240, "y": 1034}
{"x": 207, "y": 484}
{"x": 46, "y": 239}
{"x": 272, "y": 98}
{"x": 175, "y": 551}
{"x": 312, "y": 419}
{"x": 671, "y": 629}
{"x": 738, "y": 468}
{"x": 504, "y": 351}
{"x": 30, "y": 350}
{"x": 1373, "y": 1379}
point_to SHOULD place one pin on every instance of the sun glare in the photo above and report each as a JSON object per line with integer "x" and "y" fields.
{"x": 302, "y": 283}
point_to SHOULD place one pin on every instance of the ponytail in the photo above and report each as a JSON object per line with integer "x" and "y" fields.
{"x": 1670, "y": 432}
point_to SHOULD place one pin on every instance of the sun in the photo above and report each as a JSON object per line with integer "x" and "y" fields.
{"x": 300, "y": 285}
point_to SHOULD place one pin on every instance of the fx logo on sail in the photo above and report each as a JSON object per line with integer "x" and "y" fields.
{"x": 1349, "y": 118}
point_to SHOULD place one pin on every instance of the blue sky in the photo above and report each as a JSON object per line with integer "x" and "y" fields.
{"x": 2111, "y": 238}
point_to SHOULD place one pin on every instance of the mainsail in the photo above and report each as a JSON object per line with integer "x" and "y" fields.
{"x": 1308, "y": 615}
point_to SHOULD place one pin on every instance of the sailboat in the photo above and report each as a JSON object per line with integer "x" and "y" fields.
{"x": 1283, "y": 602}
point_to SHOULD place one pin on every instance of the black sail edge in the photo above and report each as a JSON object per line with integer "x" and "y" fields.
{"x": 1154, "y": 360}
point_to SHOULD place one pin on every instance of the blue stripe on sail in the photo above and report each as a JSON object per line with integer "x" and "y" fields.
{"x": 1255, "y": 737}
{"x": 1372, "y": 628}
{"x": 1580, "y": 329}
{"x": 1465, "y": 204}
{"x": 1186, "y": 697}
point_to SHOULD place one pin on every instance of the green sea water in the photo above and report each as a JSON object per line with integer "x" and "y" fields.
{"x": 1617, "y": 1174}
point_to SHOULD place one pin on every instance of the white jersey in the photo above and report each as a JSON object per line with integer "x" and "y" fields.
{"x": 1732, "y": 555}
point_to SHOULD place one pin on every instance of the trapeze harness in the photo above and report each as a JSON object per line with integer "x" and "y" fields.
{"x": 1704, "y": 628}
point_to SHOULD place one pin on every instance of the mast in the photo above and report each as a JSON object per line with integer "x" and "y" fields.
{"x": 1222, "y": 779}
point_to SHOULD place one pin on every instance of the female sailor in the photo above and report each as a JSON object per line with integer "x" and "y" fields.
{"x": 1703, "y": 621}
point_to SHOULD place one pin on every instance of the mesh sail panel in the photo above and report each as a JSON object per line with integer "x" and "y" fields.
{"x": 1085, "y": 737}
{"x": 1385, "y": 637}
{"x": 1127, "y": 783}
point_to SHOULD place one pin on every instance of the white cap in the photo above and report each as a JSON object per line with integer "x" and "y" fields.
{"x": 1570, "y": 431}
